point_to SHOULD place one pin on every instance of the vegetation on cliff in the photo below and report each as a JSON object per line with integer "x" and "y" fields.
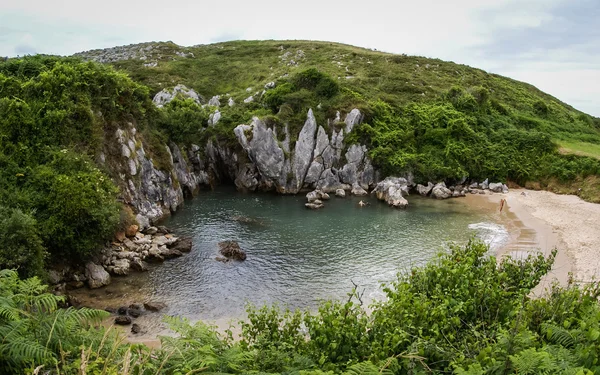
{"x": 463, "y": 313}
{"x": 435, "y": 119}
{"x": 438, "y": 119}
{"x": 56, "y": 200}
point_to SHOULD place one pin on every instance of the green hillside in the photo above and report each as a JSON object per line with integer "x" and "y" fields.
{"x": 438, "y": 119}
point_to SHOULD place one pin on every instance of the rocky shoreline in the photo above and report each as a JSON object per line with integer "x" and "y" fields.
{"x": 393, "y": 191}
{"x": 130, "y": 251}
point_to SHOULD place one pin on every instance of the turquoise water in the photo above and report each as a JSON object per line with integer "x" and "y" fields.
{"x": 297, "y": 257}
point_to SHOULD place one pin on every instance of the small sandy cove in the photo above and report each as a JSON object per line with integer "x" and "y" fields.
{"x": 540, "y": 220}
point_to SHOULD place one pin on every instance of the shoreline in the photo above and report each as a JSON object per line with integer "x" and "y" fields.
{"x": 541, "y": 220}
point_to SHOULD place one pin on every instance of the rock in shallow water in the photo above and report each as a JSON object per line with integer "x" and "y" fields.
{"x": 340, "y": 193}
{"x": 154, "y": 306}
{"x": 96, "y": 275}
{"x": 122, "y": 320}
{"x": 231, "y": 249}
{"x": 440, "y": 191}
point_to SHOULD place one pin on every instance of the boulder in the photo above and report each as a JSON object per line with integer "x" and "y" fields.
{"x": 151, "y": 230}
{"x": 425, "y": 190}
{"x": 504, "y": 189}
{"x": 485, "y": 184}
{"x": 121, "y": 267}
{"x": 340, "y": 193}
{"x": 139, "y": 265}
{"x": 134, "y": 313}
{"x": 154, "y": 306}
{"x": 314, "y": 205}
{"x": 122, "y": 320}
{"x": 392, "y": 190}
{"x": 231, "y": 249}
{"x": 54, "y": 277}
{"x": 167, "y": 253}
{"x": 358, "y": 190}
{"x": 97, "y": 276}
{"x": 131, "y": 230}
{"x": 312, "y": 196}
{"x": 496, "y": 187}
{"x": 184, "y": 245}
{"x": 120, "y": 236}
{"x": 135, "y": 328}
{"x": 440, "y": 191}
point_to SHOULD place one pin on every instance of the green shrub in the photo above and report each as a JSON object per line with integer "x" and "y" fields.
{"x": 540, "y": 108}
{"x": 75, "y": 205}
{"x": 20, "y": 245}
{"x": 183, "y": 120}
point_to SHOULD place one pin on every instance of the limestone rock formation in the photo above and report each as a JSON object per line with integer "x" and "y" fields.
{"x": 165, "y": 96}
{"x": 97, "y": 276}
{"x": 392, "y": 190}
{"x": 425, "y": 190}
{"x": 440, "y": 191}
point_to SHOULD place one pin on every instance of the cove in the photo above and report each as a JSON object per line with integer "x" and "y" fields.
{"x": 296, "y": 257}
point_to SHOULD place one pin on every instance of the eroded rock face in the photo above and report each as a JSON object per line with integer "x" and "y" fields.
{"x": 425, "y": 190}
{"x": 392, "y": 190}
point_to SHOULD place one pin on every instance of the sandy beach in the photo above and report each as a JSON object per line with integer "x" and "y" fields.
{"x": 540, "y": 220}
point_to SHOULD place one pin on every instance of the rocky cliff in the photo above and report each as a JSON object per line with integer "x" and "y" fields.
{"x": 266, "y": 159}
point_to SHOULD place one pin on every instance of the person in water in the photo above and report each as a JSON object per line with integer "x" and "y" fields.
{"x": 502, "y": 202}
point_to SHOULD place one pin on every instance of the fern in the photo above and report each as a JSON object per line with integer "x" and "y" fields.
{"x": 558, "y": 335}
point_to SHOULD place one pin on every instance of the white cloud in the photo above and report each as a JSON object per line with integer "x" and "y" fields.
{"x": 490, "y": 34}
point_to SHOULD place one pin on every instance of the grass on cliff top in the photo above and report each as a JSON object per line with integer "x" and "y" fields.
{"x": 233, "y": 67}
{"x": 580, "y": 148}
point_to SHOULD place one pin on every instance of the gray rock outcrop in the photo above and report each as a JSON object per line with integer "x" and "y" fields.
{"x": 97, "y": 276}
{"x": 425, "y": 190}
{"x": 440, "y": 191}
{"x": 392, "y": 190}
{"x": 165, "y": 96}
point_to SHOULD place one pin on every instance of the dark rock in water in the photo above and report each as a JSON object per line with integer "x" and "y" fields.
{"x": 122, "y": 310}
{"x": 111, "y": 310}
{"x": 136, "y": 306}
{"x": 183, "y": 245}
{"x": 231, "y": 249}
{"x": 314, "y": 205}
{"x": 170, "y": 253}
{"x": 154, "y": 306}
{"x": 122, "y": 320}
{"x": 163, "y": 230}
{"x": 135, "y": 328}
{"x": 246, "y": 220}
{"x": 134, "y": 313}
{"x": 139, "y": 265}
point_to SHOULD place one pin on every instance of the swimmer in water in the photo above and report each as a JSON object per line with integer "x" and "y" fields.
{"x": 502, "y": 202}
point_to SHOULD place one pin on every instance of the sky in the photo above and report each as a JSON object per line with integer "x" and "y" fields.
{"x": 552, "y": 44}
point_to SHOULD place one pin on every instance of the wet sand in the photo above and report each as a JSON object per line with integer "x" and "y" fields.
{"x": 540, "y": 220}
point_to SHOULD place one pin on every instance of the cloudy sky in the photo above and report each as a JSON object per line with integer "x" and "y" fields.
{"x": 553, "y": 44}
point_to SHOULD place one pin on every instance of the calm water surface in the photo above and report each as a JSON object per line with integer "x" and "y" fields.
{"x": 297, "y": 257}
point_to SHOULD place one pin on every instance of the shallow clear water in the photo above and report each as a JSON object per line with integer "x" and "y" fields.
{"x": 297, "y": 257}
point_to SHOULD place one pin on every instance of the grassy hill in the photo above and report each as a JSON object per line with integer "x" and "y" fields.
{"x": 508, "y": 129}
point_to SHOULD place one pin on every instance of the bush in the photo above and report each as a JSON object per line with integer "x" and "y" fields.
{"x": 75, "y": 205}
{"x": 183, "y": 120}
{"x": 20, "y": 245}
{"x": 540, "y": 108}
